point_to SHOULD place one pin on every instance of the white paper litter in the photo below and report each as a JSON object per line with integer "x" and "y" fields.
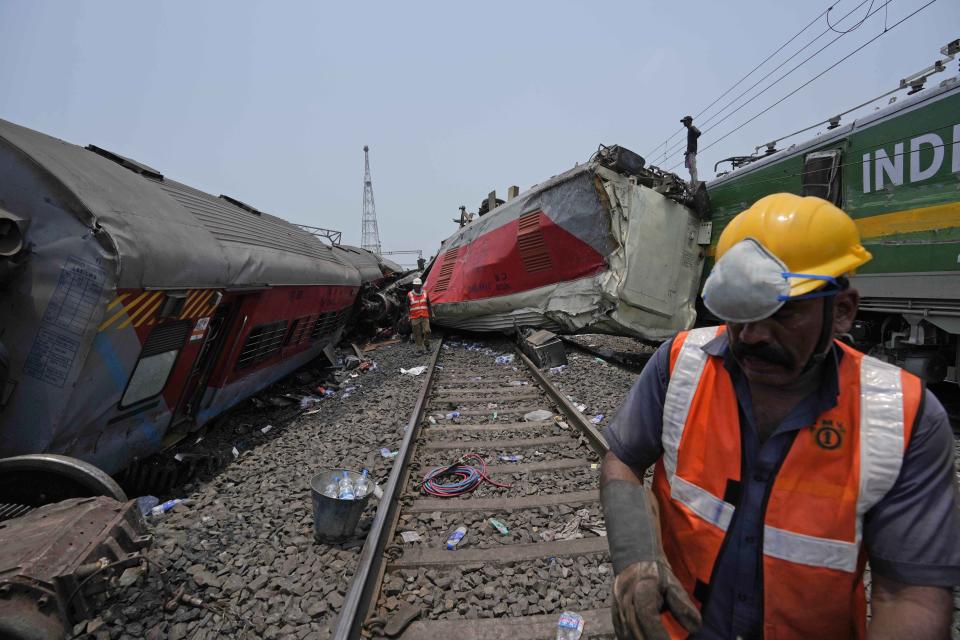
{"x": 410, "y": 536}
{"x": 415, "y": 371}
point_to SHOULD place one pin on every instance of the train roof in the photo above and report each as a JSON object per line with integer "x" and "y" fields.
{"x": 392, "y": 266}
{"x": 908, "y": 103}
{"x": 364, "y": 261}
{"x": 169, "y": 235}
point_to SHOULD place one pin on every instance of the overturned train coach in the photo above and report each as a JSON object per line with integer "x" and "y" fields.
{"x": 609, "y": 246}
{"x": 136, "y": 308}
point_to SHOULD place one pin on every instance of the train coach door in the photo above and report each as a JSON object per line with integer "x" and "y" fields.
{"x": 214, "y": 337}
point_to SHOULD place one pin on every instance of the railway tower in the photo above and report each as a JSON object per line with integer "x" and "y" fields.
{"x": 370, "y": 240}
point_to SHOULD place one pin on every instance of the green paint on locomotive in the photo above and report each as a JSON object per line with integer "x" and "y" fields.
{"x": 899, "y": 172}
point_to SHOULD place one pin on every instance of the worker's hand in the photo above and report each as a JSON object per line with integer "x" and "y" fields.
{"x": 641, "y": 592}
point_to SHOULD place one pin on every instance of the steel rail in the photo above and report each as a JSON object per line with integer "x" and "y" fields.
{"x": 357, "y": 601}
{"x": 633, "y": 362}
{"x": 589, "y": 431}
{"x": 372, "y": 562}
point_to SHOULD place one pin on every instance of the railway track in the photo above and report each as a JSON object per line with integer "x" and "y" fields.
{"x": 492, "y": 585}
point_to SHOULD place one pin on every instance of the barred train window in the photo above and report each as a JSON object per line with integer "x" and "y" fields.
{"x": 156, "y": 361}
{"x": 300, "y": 330}
{"x": 329, "y": 322}
{"x": 263, "y": 342}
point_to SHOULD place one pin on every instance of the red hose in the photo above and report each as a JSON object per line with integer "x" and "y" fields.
{"x": 461, "y": 478}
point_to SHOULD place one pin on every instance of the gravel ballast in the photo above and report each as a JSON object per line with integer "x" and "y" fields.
{"x": 243, "y": 542}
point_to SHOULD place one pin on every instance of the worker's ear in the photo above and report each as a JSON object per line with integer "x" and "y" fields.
{"x": 845, "y": 305}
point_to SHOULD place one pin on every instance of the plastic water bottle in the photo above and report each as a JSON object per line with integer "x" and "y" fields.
{"x": 346, "y": 488}
{"x": 146, "y": 504}
{"x": 569, "y": 626}
{"x": 166, "y": 506}
{"x": 363, "y": 484}
{"x": 456, "y": 537}
{"x": 333, "y": 487}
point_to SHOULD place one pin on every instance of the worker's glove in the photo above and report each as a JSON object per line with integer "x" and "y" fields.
{"x": 645, "y": 585}
{"x": 641, "y": 592}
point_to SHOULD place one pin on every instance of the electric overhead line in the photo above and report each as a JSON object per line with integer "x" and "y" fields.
{"x": 675, "y": 147}
{"x": 808, "y": 82}
{"x": 737, "y": 83}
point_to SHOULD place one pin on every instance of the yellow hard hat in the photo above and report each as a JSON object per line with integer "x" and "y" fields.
{"x": 808, "y": 234}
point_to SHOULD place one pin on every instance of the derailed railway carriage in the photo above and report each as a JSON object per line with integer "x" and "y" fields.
{"x": 137, "y": 308}
{"x": 603, "y": 247}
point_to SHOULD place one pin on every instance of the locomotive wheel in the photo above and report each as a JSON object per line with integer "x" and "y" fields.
{"x": 39, "y": 479}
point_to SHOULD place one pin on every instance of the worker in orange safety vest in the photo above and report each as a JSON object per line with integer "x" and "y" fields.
{"x": 783, "y": 458}
{"x": 419, "y": 305}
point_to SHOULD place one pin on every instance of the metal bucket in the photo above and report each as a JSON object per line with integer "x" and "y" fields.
{"x": 335, "y": 520}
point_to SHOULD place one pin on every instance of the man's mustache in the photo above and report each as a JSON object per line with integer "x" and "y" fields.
{"x": 766, "y": 352}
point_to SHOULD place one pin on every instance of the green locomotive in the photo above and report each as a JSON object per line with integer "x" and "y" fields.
{"x": 896, "y": 171}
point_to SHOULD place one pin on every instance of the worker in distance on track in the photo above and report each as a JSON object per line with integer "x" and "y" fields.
{"x": 784, "y": 459}
{"x": 419, "y": 305}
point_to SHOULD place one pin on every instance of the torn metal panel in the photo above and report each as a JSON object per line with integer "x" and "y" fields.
{"x": 589, "y": 250}
{"x": 57, "y": 561}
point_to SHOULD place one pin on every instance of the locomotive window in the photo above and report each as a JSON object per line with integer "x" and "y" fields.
{"x": 156, "y": 361}
{"x": 263, "y": 342}
{"x": 821, "y": 175}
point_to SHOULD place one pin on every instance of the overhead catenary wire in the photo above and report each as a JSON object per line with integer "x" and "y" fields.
{"x": 748, "y": 74}
{"x": 814, "y": 78}
{"x": 675, "y": 148}
{"x": 837, "y": 117}
{"x": 866, "y": 15}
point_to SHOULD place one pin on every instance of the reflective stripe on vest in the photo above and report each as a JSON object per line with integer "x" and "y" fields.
{"x": 881, "y": 455}
{"x": 418, "y": 304}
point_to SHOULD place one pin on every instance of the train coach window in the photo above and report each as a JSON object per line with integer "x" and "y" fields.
{"x": 300, "y": 330}
{"x": 821, "y": 175}
{"x": 325, "y": 324}
{"x": 157, "y": 358}
{"x": 172, "y": 305}
{"x": 263, "y": 342}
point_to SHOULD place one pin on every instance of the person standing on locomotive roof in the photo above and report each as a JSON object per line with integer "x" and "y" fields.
{"x": 690, "y": 156}
{"x": 783, "y": 458}
{"x": 419, "y": 315}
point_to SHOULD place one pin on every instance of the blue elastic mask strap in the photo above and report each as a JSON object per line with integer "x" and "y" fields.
{"x": 814, "y": 294}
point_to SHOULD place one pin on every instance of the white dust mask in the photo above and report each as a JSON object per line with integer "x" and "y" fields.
{"x": 747, "y": 284}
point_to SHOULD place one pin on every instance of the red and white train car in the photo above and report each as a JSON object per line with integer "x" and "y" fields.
{"x": 590, "y": 250}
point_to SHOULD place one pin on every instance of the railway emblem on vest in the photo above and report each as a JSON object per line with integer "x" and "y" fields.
{"x": 828, "y": 435}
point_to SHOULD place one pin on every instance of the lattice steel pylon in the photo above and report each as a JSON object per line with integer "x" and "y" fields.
{"x": 370, "y": 240}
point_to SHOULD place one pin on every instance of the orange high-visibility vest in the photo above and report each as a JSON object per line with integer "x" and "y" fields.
{"x": 834, "y": 472}
{"x": 418, "y": 304}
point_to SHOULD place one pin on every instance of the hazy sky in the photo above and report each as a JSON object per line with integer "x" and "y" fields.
{"x": 272, "y": 102}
